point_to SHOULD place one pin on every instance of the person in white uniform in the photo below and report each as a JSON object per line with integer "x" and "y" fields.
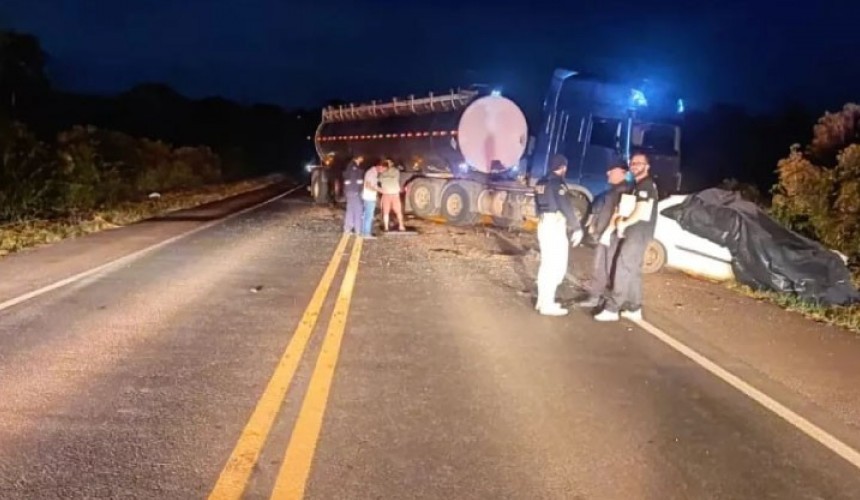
{"x": 556, "y": 215}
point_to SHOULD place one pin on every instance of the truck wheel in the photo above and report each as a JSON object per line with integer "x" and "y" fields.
{"x": 502, "y": 222}
{"x": 457, "y": 206}
{"x": 319, "y": 186}
{"x": 655, "y": 257}
{"x": 580, "y": 206}
{"x": 510, "y": 220}
{"x": 422, "y": 198}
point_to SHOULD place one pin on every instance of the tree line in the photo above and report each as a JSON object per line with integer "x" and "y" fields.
{"x": 63, "y": 153}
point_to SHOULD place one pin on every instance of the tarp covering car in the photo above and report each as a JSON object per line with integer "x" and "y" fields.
{"x": 766, "y": 255}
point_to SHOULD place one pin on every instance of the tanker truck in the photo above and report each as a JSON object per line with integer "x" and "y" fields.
{"x": 468, "y": 153}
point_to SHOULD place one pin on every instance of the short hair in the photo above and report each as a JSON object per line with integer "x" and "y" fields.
{"x": 557, "y": 161}
{"x": 642, "y": 154}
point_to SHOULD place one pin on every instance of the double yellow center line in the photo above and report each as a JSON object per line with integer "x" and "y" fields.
{"x": 295, "y": 468}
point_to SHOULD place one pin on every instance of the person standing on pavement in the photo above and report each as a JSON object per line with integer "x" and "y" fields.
{"x": 607, "y": 246}
{"x": 636, "y": 232}
{"x": 353, "y": 181}
{"x": 389, "y": 182}
{"x": 555, "y": 216}
{"x": 370, "y": 190}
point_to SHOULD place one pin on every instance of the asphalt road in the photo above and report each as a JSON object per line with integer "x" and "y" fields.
{"x": 270, "y": 354}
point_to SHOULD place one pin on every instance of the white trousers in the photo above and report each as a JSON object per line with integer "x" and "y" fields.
{"x": 552, "y": 240}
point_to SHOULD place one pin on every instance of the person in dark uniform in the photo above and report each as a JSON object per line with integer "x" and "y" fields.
{"x": 555, "y": 216}
{"x": 635, "y": 231}
{"x": 603, "y": 230}
{"x": 353, "y": 183}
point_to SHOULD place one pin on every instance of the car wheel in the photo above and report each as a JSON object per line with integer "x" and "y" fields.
{"x": 655, "y": 257}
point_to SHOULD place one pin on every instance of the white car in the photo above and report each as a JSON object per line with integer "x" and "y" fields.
{"x": 678, "y": 249}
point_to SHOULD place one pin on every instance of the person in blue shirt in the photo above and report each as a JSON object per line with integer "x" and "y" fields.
{"x": 555, "y": 215}
{"x": 353, "y": 184}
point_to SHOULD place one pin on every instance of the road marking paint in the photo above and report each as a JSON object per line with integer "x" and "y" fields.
{"x": 134, "y": 256}
{"x": 807, "y": 427}
{"x": 295, "y": 469}
{"x": 817, "y": 433}
{"x": 237, "y": 471}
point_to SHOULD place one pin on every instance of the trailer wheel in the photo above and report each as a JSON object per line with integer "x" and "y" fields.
{"x": 502, "y": 222}
{"x": 457, "y": 207}
{"x": 422, "y": 198}
{"x": 655, "y": 257}
{"x": 319, "y": 186}
{"x": 509, "y": 220}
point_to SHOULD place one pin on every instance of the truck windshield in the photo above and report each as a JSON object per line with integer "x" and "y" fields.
{"x": 655, "y": 138}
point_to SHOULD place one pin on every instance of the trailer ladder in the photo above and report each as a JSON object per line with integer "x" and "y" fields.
{"x": 396, "y": 107}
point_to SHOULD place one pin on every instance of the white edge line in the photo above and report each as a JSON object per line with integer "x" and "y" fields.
{"x": 810, "y": 429}
{"x": 139, "y": 253}
{"x": 817, "y": 433}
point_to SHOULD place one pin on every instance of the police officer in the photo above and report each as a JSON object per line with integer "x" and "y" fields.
{"x": 555, "y": 216}
{"x": 620, "y": 180}
{"x": 636, "y": 232}
{"x": 353, "y": 183}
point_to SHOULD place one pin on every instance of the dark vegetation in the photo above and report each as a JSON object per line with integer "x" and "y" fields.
{"x": 64, "y": 154}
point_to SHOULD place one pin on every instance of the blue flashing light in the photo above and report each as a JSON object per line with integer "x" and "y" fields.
{"x": 496, "y": 93}
{"x": 637, "y": 98}
{"x": 680, "y": 106}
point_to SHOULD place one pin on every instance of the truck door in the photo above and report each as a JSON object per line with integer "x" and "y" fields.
{"x": 662, "y": 143}
{"x": 568, "y": 141}
{"x": 601, "y": 146}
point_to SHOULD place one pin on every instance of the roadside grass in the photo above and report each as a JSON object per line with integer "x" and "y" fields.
{"x": 847, "y": 317}
{"x": 16, "y": 236}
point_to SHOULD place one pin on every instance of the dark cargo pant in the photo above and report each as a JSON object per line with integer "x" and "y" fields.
{"x": 354, "y": 207}
{"x": 601, "y": 276}
{"x": 627, "y": 282}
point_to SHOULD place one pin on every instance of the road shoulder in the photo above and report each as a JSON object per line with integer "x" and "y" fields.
{"x": 33, "y": 268}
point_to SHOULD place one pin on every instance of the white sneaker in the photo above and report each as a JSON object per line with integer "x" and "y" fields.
{"x": 553, "y": 310}
{"x": 632, "y": 315}
{"x": 606, "y": 316}
{"x": 538, "y": 303}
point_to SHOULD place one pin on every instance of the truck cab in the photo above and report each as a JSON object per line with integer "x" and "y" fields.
{"x": 595, "y": 122}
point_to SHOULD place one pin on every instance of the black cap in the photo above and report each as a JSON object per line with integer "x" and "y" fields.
{"x": 557, "y": 161}
{"x": 617, "y": 164}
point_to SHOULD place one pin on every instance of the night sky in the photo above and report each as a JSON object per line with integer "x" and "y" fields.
{"x": 304, "y": 53}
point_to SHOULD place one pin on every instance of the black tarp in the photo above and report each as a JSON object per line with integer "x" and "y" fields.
{"x": 766, "y": 255}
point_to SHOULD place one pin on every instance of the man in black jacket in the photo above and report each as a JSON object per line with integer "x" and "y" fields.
{"x": 353, "y": 183}
{"x": 607, "y": 247}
